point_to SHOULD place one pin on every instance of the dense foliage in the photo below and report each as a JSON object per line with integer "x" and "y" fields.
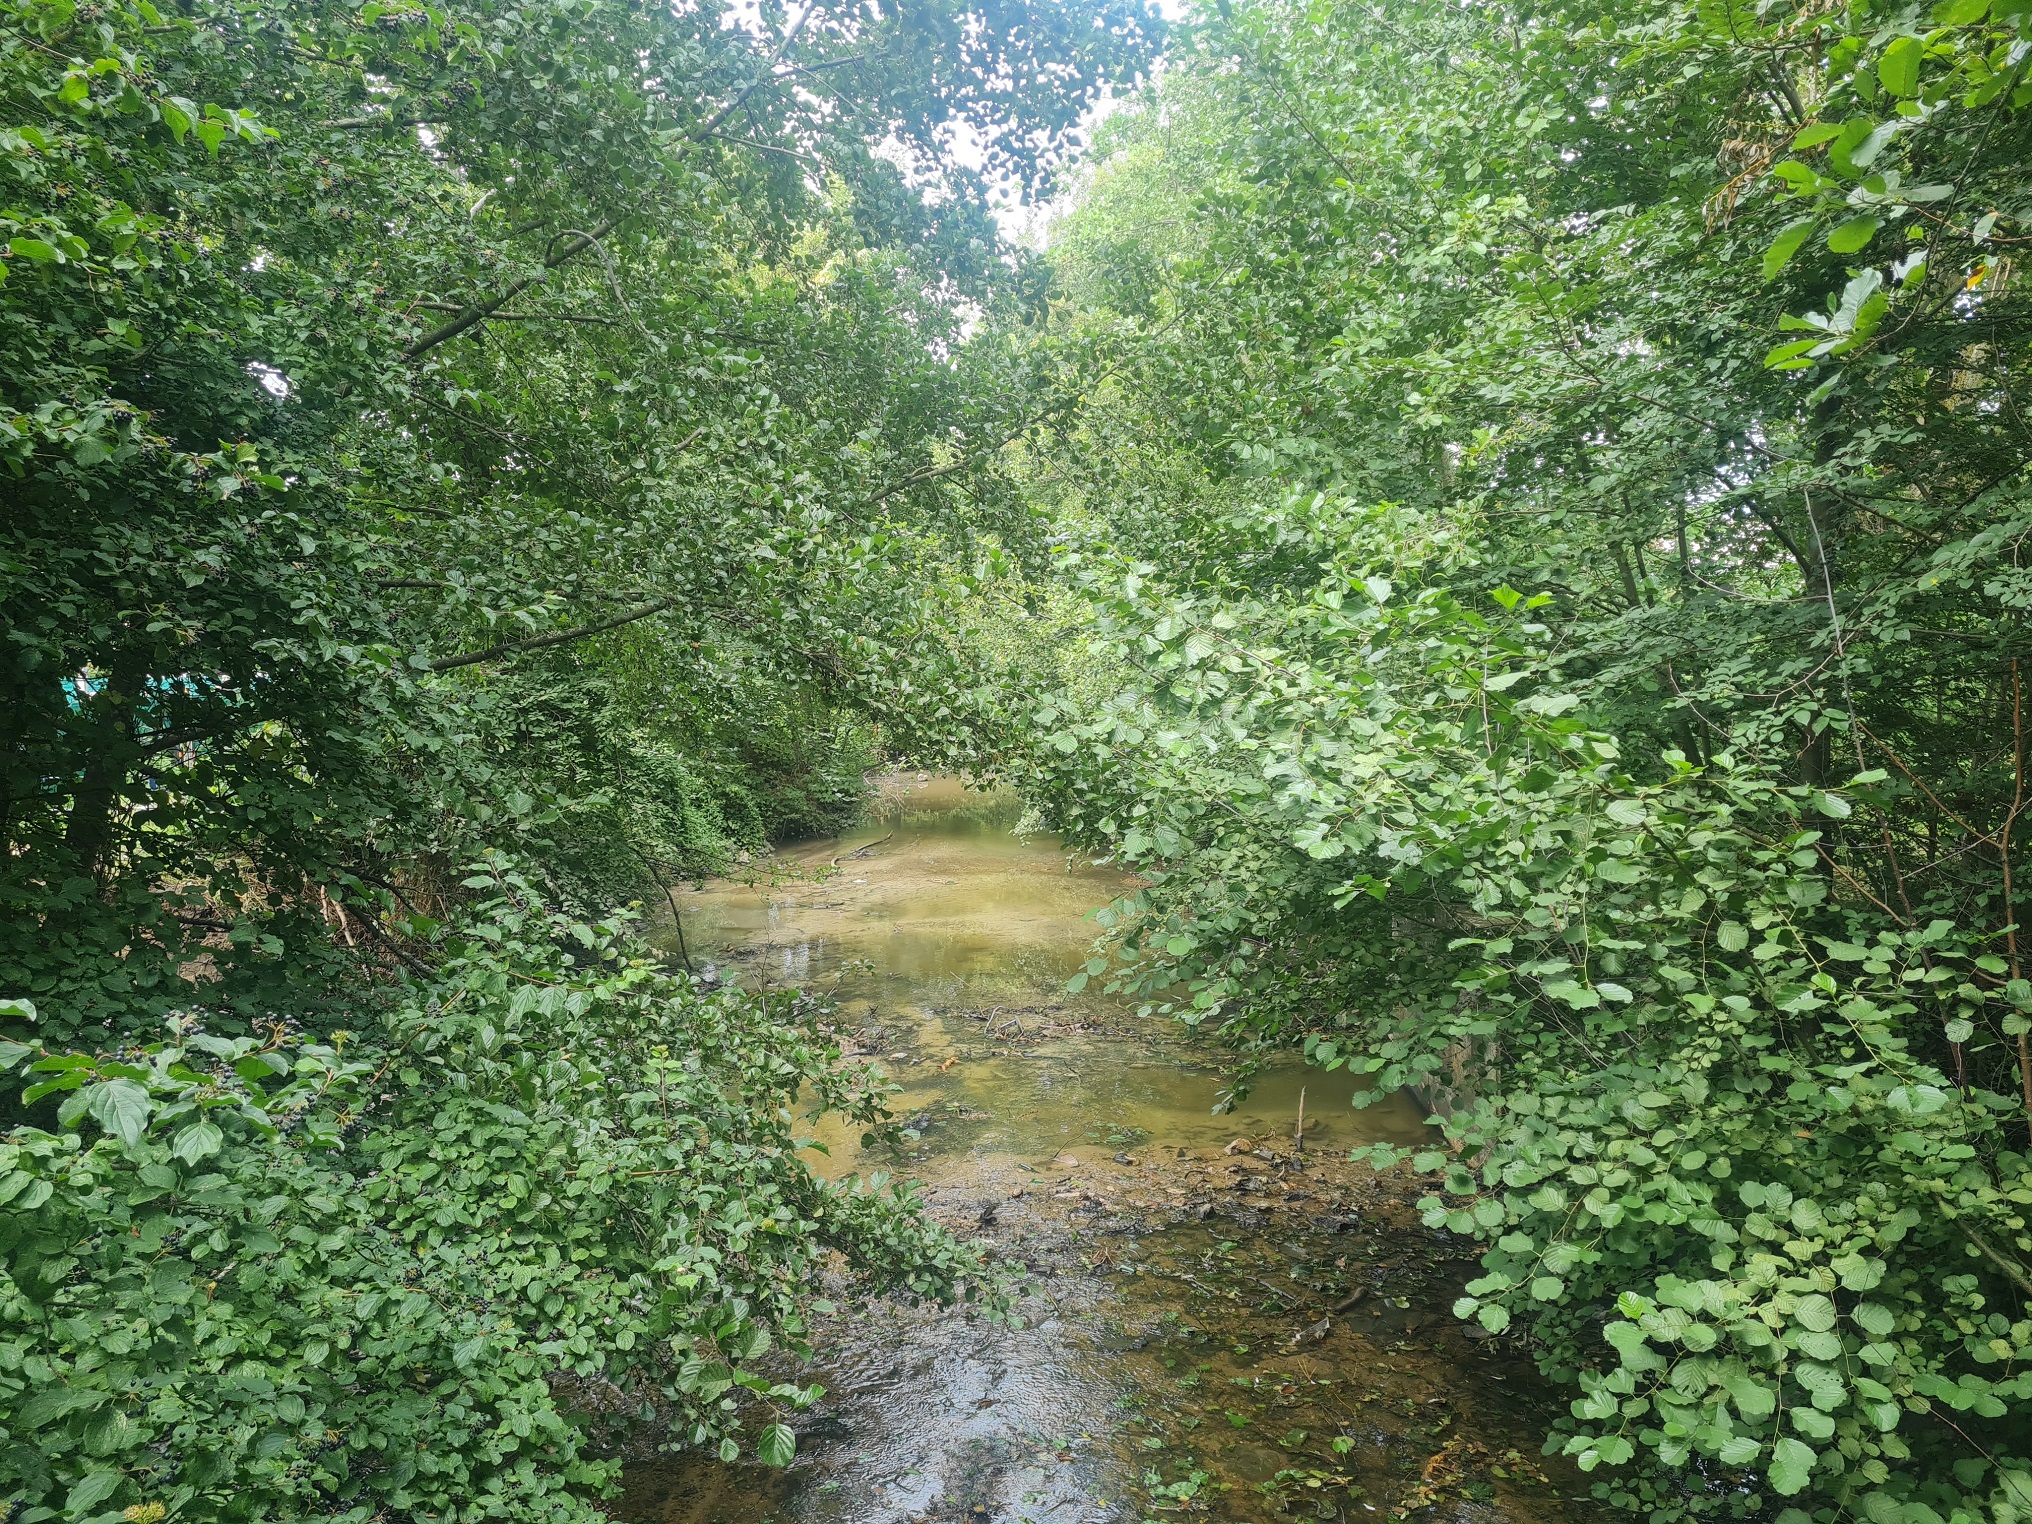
{"x": 1545, "y": 614}
{"x": 1537, "y": 501}
{"x": 440, "y": 438}
{"x": 430, "y": 1268}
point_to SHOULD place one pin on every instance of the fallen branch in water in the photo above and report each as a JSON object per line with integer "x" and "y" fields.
{"x": 863, "y": 850}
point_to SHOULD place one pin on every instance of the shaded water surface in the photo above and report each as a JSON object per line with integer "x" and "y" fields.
{"x": 1217, "y": 1324}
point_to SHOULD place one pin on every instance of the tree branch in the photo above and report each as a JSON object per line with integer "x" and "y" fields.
{"x": 556, "y": 638}
{"x": 473, "y": 316}
{"x": 789, "y": 153}
{"x": 362, "y": 123}
{"x": 520, "y": 317}
{"x": 2010, "y": 1267}
{"x": 713, "y": 123}
{"x": 973, "y": 458}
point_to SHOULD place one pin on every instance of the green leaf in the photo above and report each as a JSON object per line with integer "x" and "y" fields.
{"x": 1788, "y": 241}
{"x": 1865, "y": 153}
{"x": 1819, "y": 1346}
{"x": 1813, "y": 1423}
{"x": 1898, "y": 69}
{"x": 1856, "y": 147}
{"x": 122, "y": 1108}
{"x": 54, "y": 1402}
{"x": 1852, "y": 235}
{"x": 729, "y": 1451}
{"x": 91, "y": 1490}
{"x": 1732, "y": 936}
{"x": 198, "y": 1141}
{"x": 1791, "y": 356}
{"x": 778, "y": 1445}
{"x": 1754, "y": 1399}
{"x": 1815, "y": 1312}
{"x": 1791, "y": 1467}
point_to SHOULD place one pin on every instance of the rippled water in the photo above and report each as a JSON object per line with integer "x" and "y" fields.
{"x": 1217, "y": 1324}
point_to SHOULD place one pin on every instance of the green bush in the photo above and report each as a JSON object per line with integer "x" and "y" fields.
{"x": 548, "y": 1193}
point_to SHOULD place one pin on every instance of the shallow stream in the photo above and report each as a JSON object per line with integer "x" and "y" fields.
{"x": 1217, "y": 1324}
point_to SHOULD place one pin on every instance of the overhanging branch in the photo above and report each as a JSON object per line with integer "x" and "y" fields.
{"x": 767, "y": 76}
{"x": 521, "y": 317}
{"x": 555, "y": 638}
{"x": 479, "y": 312}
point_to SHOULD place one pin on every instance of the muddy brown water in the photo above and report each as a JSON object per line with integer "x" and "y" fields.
{"x": 1214, "y": 1325}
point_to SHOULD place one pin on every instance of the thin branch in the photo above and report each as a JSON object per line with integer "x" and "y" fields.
{"x": 360, "y": 123}
{"x": 2010, "y": 1267}
{"x": 1920, "y": 784}
{"x": 474, "y": 315}
{"x": 789, "y": 153}
{"x": 933, "y": 473}
{"x": 714, "y": 122}
{"x": 1784, "y": 82}
{"x": 556, "y": 638}
{"x": 520, "y": 317}
{"x": 834, "y": 63}
{"x": 614, "y": 284}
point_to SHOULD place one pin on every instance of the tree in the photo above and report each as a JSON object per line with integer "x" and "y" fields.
{"x": 1527, "y": 671}
{"x": 443, "y": 440}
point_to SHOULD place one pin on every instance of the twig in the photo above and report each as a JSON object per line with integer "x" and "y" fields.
{"x": 520, "y": 317}
{"x": 713, "y": 123}
{"x": 474, "y": 315}
{"x": 2010, "y": 1267}
{"x": 539, "y": 642}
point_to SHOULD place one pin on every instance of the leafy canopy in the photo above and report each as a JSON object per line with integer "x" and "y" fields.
{"x": 1540, "y": 602}
{"x": 468, "y": 467}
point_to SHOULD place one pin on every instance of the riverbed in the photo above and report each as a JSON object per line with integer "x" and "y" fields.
{"x": 1221, "y": 1318}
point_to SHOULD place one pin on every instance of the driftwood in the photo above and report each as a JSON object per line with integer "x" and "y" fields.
{"x": 862, "y": 851}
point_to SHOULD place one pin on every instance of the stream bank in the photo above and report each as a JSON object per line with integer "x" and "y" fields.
{"x": 1216, "y": 1324}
